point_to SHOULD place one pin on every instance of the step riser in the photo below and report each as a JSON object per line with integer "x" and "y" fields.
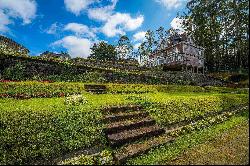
{"x": 127, "y": 127}
{"x": 123, "y": 117}
{"x": 97, "y": 92}
{"x": 118, "y": 143}
{"x": 122, "y": 160}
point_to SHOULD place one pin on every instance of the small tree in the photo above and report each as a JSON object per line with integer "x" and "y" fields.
{"x": 103, "y": 51}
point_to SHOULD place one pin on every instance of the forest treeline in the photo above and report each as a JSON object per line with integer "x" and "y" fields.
{"x": 222, "y": 28}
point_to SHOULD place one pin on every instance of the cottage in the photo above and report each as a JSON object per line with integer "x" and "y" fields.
{"x": 180, "y": 54}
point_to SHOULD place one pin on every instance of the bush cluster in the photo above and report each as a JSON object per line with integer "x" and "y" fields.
{"x": 182, "y": 108}
{"x": 28, "y": 135}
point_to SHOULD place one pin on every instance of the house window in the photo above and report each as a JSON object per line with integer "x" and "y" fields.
{"x": 179, "y": 57}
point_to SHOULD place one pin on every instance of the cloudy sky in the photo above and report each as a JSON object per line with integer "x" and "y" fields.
{"x": 74, "y": 25}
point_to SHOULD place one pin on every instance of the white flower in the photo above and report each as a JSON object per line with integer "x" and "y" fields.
{"x": 75, "y": 100}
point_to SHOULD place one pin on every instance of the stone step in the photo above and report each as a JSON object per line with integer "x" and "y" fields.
{"x": 123, "y": 116}
{"x": 127, "y": 136}
{"x": 123, "y": 108}
{"x": 94, "y": 86}
{"x": 135, "y": 149}
{"x": 129, "y": 124}
{"x": 96, "y": 90}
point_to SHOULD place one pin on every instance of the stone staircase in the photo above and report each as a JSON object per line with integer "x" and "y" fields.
{"x": 94, "y": 88}
{"x": 130, "y": 131}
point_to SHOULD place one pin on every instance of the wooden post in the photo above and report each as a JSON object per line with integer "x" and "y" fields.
{"x": 197, "y": 70}
{"x": 203, "y": 70}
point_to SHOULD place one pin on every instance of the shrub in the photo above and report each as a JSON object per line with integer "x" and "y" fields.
{"x": 172, "y": 109}
{"x": 75, "y": 100}
{"x": 28, "y": 135}
{"x": 15, "y": 72}
{"x": 238, "y": 77}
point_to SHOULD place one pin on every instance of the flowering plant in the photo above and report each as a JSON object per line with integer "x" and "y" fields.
{"x": 75, "y": 100}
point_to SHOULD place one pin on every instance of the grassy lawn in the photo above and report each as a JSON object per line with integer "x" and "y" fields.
{"x": 43, "y": 128}
{"x": 167, "y": 153}
{"x": 229, "y": 148}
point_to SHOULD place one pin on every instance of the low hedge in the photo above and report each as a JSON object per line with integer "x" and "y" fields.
{"x": 28, "y": 135}
{"x": 168, "y": 110}
{"x": 30, "y": 89}
{"x": 40, "y": 129}
{"x": 39, "y": 89}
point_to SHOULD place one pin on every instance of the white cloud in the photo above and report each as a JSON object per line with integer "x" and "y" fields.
{"x": 136, "y": 46}
{"x": 139, "y": 36}
{"x": 80, "y": 29}
{"x": 77, "y": 6}
{"x": 121, "y": 22}
{"x": 76, "y": 47}
{"x": 53, "y": 29}
{"x": 24, "y": 9}
{"x": 4, "y": 22}
{"x": 102, "y": 13}
{"x": 176, "y": 24}
{"x": 169, "y": 4}
{"x": 115, "y": 23}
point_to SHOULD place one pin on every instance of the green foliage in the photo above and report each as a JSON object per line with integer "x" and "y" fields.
{"x": 103, "y": 158}
{"x": 103, "y": 51}
{"x": 221, "y": 27}
{"x": 59, "y": 89}
{"x": 168, "y": 110}
{"x": 28, "y": 135}
{"x": 80, "y": 160}
{"x": 15, "y": 72}
{"x": 40, "y": 89}
{"x": 94, "y": 77}
{"x": 35, "y": 129}
{"x": 75, "y": 100}
{"x": 168, "y": 152}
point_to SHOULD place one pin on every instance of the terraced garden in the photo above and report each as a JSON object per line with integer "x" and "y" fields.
{"x": 76, "y": 123}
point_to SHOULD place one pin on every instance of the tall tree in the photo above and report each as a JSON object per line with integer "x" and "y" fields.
{"x": 103, "y": 51}
{"x": 124, "y": 48}
{"x": 221, "y": 27}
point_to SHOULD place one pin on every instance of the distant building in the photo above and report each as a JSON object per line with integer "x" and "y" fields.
{"x": 51, "y": 55}
{"x": 179, "y": 54}
{"x": 10, "y": 47}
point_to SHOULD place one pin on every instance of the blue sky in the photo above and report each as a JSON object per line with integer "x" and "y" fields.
{"x": 74, "y": 25}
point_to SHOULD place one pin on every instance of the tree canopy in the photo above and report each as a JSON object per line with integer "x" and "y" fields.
{"x": 103, "y": 51}
{"x": 221, "y": 27}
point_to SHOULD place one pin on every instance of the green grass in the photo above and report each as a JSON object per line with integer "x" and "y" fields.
{"x": 229, "y": 148}
{"x": 168, "y": 152}
{"x": 56, "y": 89}
{"x": 41, "y": 128}
{"x": 171, "y": 108}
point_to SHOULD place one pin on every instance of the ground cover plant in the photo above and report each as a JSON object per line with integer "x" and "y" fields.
{"x": 39, "y": 128}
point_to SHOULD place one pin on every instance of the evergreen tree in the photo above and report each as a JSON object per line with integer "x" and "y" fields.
{"x": 103, "y": 51}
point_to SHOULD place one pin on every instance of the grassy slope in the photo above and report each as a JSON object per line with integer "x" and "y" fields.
{"x": 168, "y": 152}
{"x": 229, "y": 148}
{"x": 40, "y": 127}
